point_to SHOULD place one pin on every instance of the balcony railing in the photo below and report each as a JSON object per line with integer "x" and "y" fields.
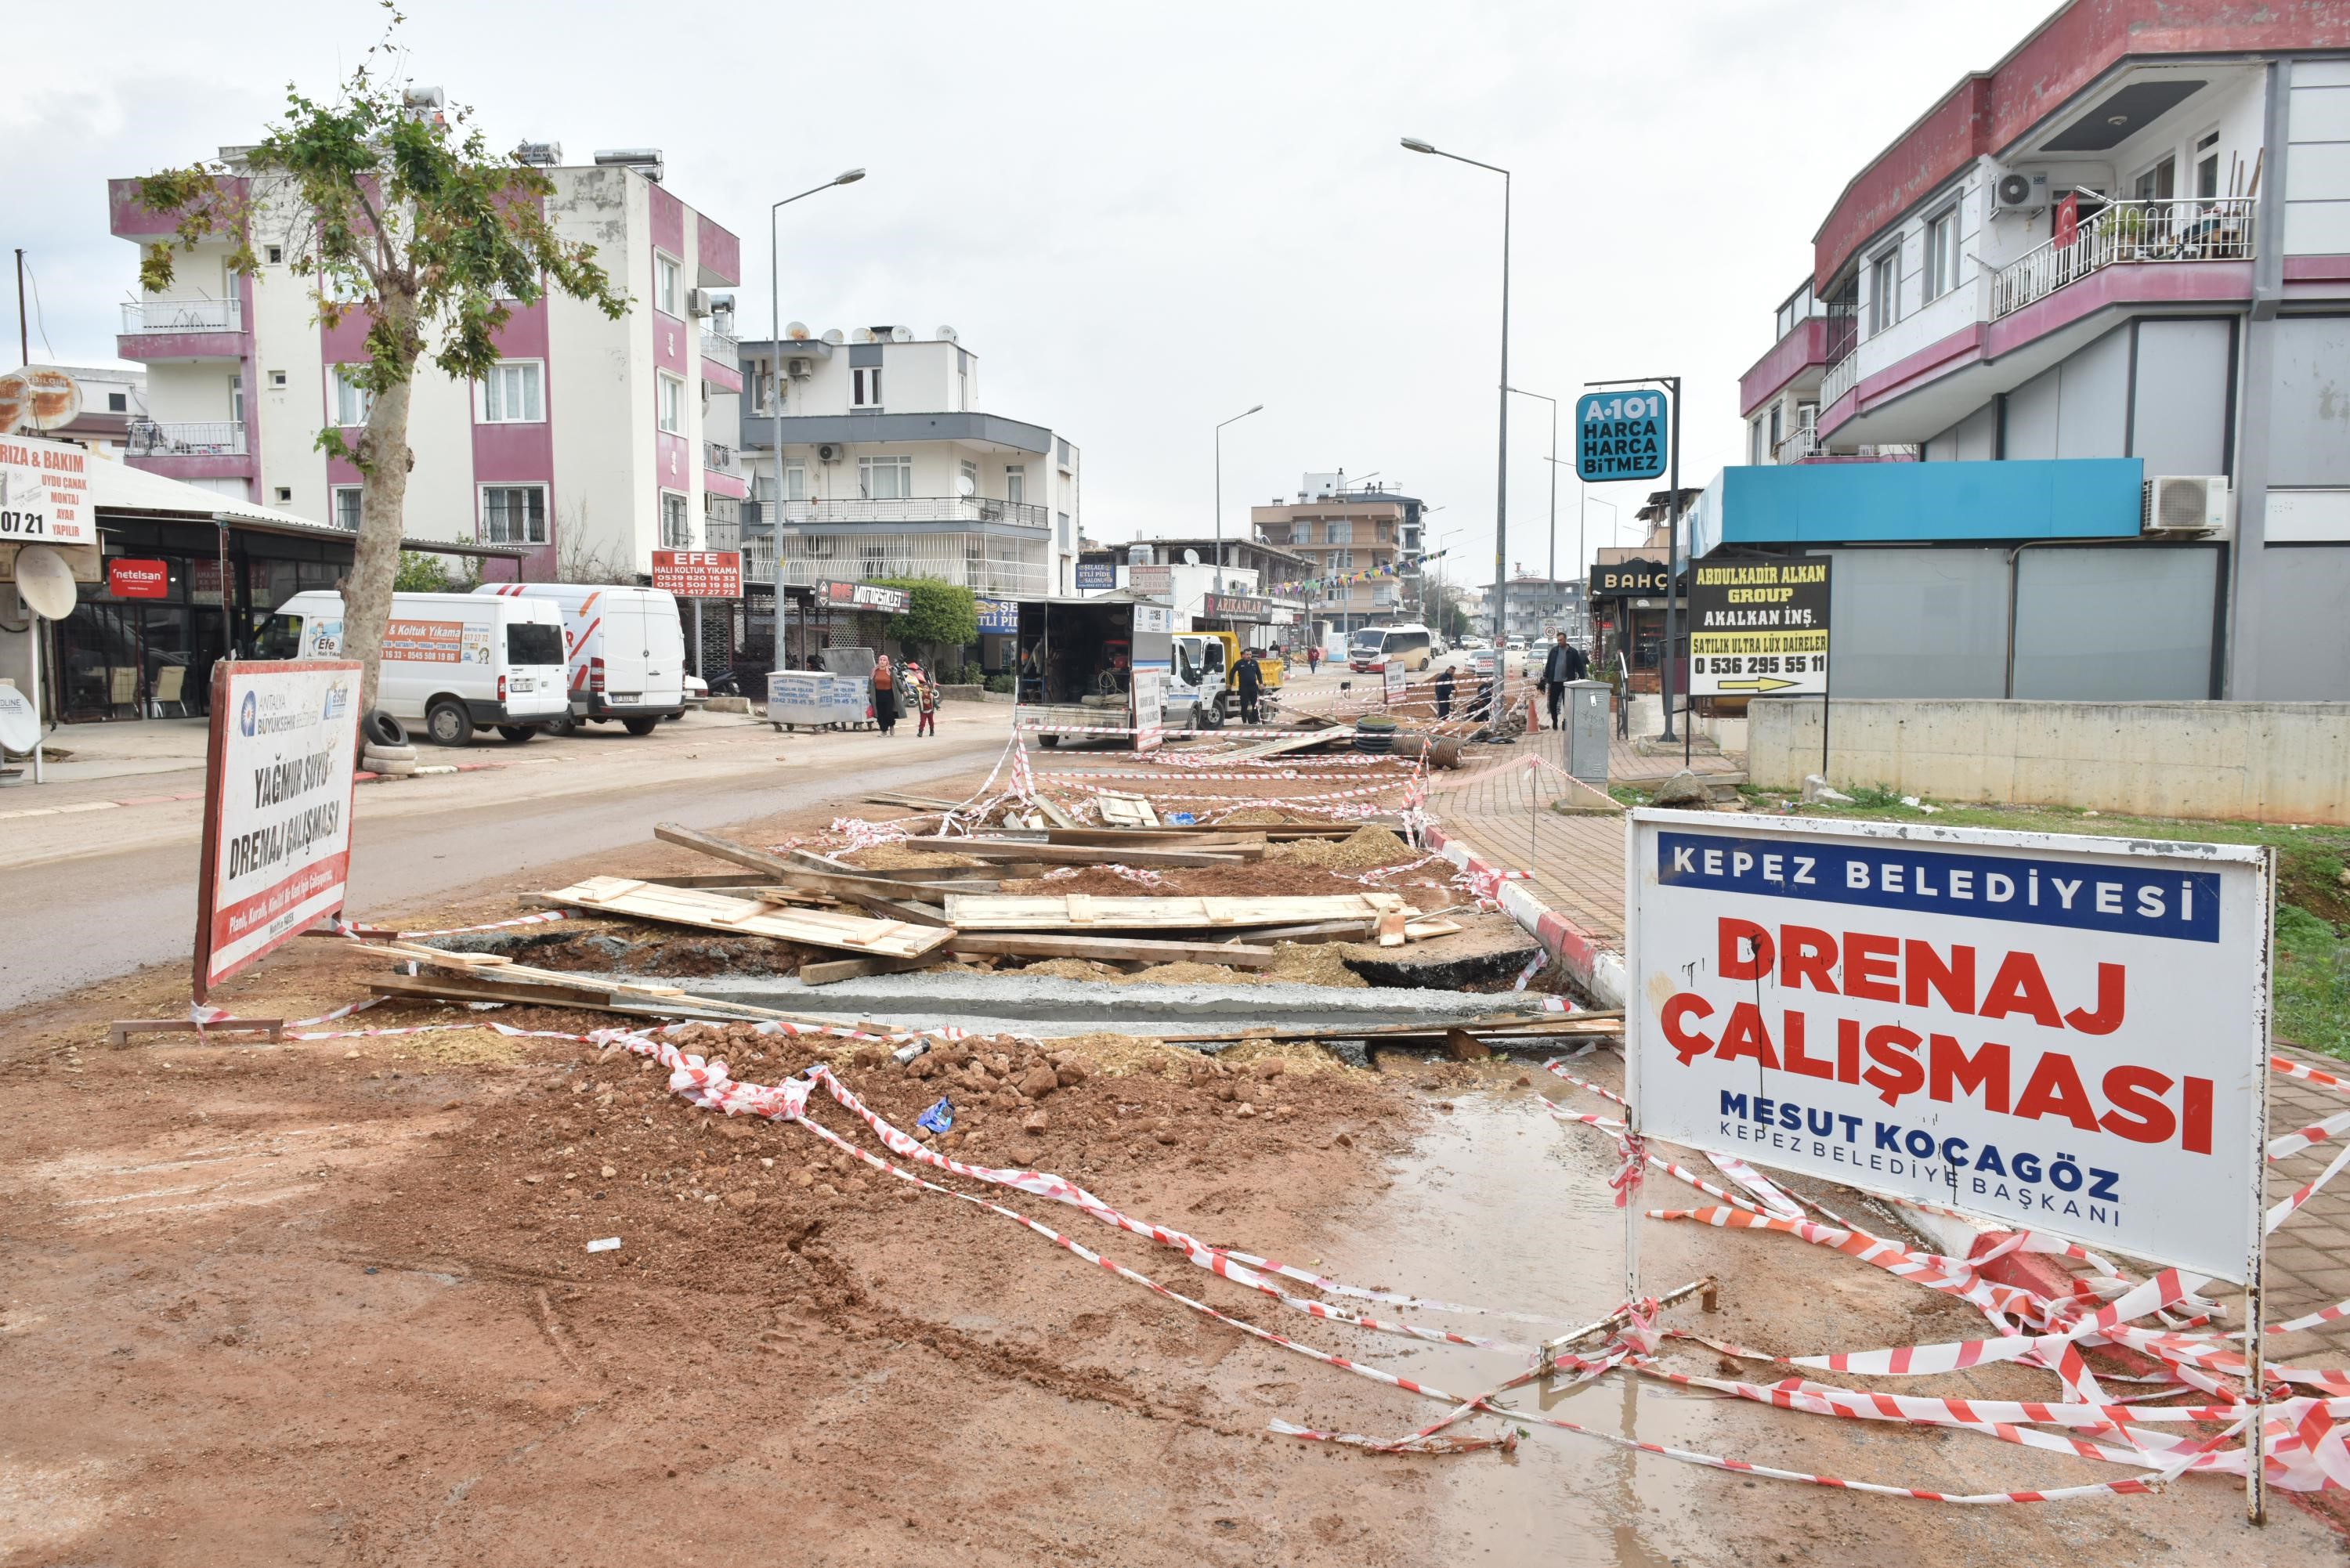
{"x": 2219, "y": 229}
{"x": 220, "y": 438}
{"x": 1796, "y": 447}
{"x": 918, "y": 509}
{"x": 1842, "y": 377}
{"x": 183, "y": 316}
{"x": 720, "y": 458}
{"x": 722, "y": 347}
{"x": 1009, "y": 578}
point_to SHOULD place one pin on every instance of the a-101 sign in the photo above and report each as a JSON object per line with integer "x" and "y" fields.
{"x": 1622, "y": 435}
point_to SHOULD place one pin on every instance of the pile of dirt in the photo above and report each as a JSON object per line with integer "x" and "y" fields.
{"x": 1074, "y": 969}
{"x": 1187, "y": 973}
{"x": 1258, "y": 817}
{"x": 898, "y": 858}
{"x": 1360, "y": 851}
{"x": 1315, "y": 963}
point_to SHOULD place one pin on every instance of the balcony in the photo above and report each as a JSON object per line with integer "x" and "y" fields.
{"x": 722, "y": 361}
{"x": 991, "y": 579}
{"x": 202, "y": 449}
{"x": 2184, "y": 230}
{"x": 918, "y": 509}
{"x": 181, "y": 329}
{"x": 722, "y": 470}
{"x": 1796, "y": 447}
{"x": 1842, "y": 378}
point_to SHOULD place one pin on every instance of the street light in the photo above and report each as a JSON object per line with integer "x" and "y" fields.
{"x": 1220, "y": 491}
{"x": 776, "y": 369}
{"x": 1501, "y": 458}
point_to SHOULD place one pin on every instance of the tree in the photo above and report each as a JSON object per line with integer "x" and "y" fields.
{"x": 942, "y": 615}
{"x": 420, "y": 572}
{"x": 408, "y": 220}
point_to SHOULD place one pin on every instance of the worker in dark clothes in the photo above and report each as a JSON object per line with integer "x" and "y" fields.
{"x": 1565, "y": 663}
{"x": 1444, "y": 694}
{"x": 1251, "y": 679}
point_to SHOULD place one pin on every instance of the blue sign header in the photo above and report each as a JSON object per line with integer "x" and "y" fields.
{"x": 2128, "y": 900}
{"x": 1622, "y": 434}
{"x": 998, "y": 615}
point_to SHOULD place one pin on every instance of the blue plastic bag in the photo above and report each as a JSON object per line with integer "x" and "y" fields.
{"x": 939, "y": 1118}
{"x": 1181, "y": 818}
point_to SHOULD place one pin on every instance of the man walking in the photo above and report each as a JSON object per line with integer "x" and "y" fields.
{"x": 1251, "y": 677}
{"x": 1565, "y": 663}
{"x": 1444, "y": 694}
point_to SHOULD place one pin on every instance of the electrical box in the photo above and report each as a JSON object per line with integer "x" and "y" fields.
{"x": 1589, "y": 725}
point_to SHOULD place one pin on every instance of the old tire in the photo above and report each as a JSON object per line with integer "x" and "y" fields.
{"x": 390, "y": 767}
{"x": 517, "y": 734}
{"x": 641, "y": 726}
{"x": 380, "y": 729}
{"x": 449, "y": 724}
{"x": 1049, "y": 740}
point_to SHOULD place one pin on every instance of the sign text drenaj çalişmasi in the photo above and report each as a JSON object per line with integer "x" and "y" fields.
{"x": 2062, "y": 1033}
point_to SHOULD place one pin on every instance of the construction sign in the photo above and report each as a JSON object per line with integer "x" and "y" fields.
{"x": 1758, "y": 628}
{"x": 2059, "y": 1034}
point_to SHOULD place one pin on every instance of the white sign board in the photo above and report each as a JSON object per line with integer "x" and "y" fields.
{"x": 44, "y": 493}
{"x": 277, "y": 807}
{"x": 1393, "y": 674}
{"x": 1149, "y": 709}
{"x": 2053, "y": 1031}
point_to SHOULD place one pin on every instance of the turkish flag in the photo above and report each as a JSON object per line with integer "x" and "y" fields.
{"x": 2068, "y": 218}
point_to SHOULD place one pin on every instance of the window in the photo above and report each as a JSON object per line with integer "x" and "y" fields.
{"x": 1336, "y": 533}
{"x": 1885, "y": 291}
{"x": 1941, "y": 253}
{"x": 511, "y": 514}
{"x": 885, "y": 478}
{"x": 1301, "y": 533}
{"x": 2207, "y": 166}
{"x": 276, "y": 254}
{"x": 511, "y": 393}
{"x": 1342, "y": 560}
{"x": 352, "y": 400}
{"x": 970, "y": 477}
{"x": 236, "y": 397}
{"x": 1384, "y": 533}
{"x": 962, "y": 383}
{"x": 1778, "y": 425}
{"x": 277, "y": 379}
{"x": 345, "y": 503}
{"x": 534, "y": 642}
{"x": 2158, "y": 183}
{"x": 676, "y": 533}
{"x": 1015, "y": 483}
{"x": 117, "y": 403}
{"x": 1068, "y": 537}
{"x": 665, "y": 278}
{"x": 284, "y": 495}
{"x": 795, "y": 482}
{"x": 672, "y": 411}
{"x": 1757, "y": 450}
{"x": 865, "y": 386}
{"x": 1063, "y": 445}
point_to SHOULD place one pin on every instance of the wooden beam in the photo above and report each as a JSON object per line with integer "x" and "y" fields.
{"x": 828, "y": 971}
{"x": 854, "y": 889}
{"x": 1109, "y": 950}
{"x": 918, "y": 875}
{"x": 1084, "y": 854}
{"x": 890, "y": 938}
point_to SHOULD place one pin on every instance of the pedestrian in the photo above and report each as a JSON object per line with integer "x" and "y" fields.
{"x": 926, "y": 702}
{"x": 885, "y": 695}
{"x": 1444, "y": 694}
{"x": 1251, "y": 676}
{"x": 1312, "y": 658}
{"x": 1564, "y": 663}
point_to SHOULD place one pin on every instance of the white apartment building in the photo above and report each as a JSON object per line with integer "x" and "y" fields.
{"x": 586, "y": 446}
{"x": 891, "y": 469}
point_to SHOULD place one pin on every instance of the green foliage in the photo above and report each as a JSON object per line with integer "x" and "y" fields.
{"x": 2312, "y": 982}
{"x": 408, "y": 220}
{"x": 999, "y": 683}
{"x": 420, "y": 572}
{"x": 942, "y": 615}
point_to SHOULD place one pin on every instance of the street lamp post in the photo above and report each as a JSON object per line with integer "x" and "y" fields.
{"x": 775, "y": 381}
{"x": 1220, "y": 492}
{"x": 1502, "y": 456}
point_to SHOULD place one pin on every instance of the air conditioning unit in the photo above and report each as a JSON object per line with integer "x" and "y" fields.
{"x": 799, "y": 370}
{"x": 698, "y": 302}
{"x": 2183, "y": 505}
{"x": 828, "y": 453}
{"x": 2012, "y": 191}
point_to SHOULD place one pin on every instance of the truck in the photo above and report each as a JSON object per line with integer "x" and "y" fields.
{"x": 1093, "y": 667}
{"x": 1200, "y": 689}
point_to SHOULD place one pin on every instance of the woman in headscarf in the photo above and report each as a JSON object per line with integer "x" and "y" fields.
{"x": 885, "y": 695}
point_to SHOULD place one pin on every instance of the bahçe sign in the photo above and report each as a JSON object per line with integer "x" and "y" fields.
{"x": 2056, "y": 1032}
{"x": 699, "y": 574}
{"x": 278, "y": 775}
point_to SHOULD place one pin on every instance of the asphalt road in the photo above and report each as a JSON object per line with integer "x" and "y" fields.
{"x": 70, "y": 923}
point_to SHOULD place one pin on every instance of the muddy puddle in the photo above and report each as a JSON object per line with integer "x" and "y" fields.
{"x": 1498, "y": 1205}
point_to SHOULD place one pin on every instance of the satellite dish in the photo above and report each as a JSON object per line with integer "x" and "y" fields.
{"x": 901, "y": 334}
{"x": 832, "y": 335}
{"x": 20, "y": 723}
{"x": 44, "y": 582}
{"x": 948, "y": 335}
{"x": 865, "y": 335}
{"x": 966, "y": 486}
{"x": 1190, "y": 557}
{"x": 38, "y": 397}
{"x": 797, "y": 332}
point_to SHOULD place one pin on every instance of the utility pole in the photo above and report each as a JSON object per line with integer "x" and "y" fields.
{"x": 23, "y": 328}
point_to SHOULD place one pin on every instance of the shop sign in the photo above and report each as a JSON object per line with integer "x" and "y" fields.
{"x": 278, "y": 775}
{"x": 132, "y": 579}
{"x": 1621, "y": 435}
{"x": 1758, "y": 628}
{"x": 1236, "y": 606}
{"x": 45, "y": 494}
{"x": 436, "y": 641}
{"x": 870, "y": 597}
{"x": 998, "y": 616}
{"x": 1630, "y": 579}
{"x": 1097, "y": 570}
{"x": 1147, "y": 579}
{"x": 2055, "y": 1032}
{"x": 699, "y": 574}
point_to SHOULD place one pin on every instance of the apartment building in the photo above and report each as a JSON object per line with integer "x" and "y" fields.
{"x": 2101, "y": 293}
{"x": 1364, "y": 541}
{"x": 1537, "y": 607}
{"x": 1228, "y": 585}
{"x": 889, "y": 467}
{"x": 587, "y": 445}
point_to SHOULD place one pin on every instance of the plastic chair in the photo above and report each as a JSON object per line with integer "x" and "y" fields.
{"x": 171, "y": 681}
{"x": 123, "y": 688}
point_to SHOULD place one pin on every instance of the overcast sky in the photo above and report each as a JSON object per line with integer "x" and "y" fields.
{"x": 1143, "y": 221}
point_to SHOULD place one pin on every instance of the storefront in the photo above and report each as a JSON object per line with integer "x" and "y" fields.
{"x": 1628, "y": 622}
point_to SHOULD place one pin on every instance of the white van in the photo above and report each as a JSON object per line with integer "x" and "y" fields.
{"x": 452, "y": 663}
{"x": 1371, "y": 648}
{"x": 624, "y": 648}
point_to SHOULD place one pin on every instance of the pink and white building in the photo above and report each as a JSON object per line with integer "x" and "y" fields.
{"x": 587, "y": 445}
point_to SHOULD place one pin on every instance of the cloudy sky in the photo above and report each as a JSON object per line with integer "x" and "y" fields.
{"x": 1142, "y": 221}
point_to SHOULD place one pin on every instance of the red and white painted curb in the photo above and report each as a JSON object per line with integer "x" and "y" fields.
{"x": 1595, "y": 966}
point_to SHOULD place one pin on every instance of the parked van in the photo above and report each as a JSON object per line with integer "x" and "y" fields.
{"x": 624, "y": 649}
{"x": 1370, "y": 650}
{"x": 451, "y": 664}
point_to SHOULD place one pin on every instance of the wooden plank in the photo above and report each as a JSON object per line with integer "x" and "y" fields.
{"x": 730, "y": 882}
{"x": 1109, "y": 950}
{"x": 1085, "y": 854}
{"x": 919, "y": 876}
{"x": 999, "y": 912}
{"x": 1159, "y": 838}
{"x": 710, "y": 911}
{"x": 828, "y": 971}
{"x": 854, "y": 889}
